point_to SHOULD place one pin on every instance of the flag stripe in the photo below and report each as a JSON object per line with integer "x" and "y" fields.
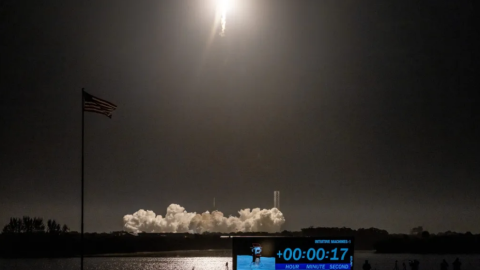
{"x": 98, "y": 108}
{"x": 97, "y": 105}
{"x": 109, "y": 114}
{"x": 104, "y": 103}
{"x": 94, "y": 105}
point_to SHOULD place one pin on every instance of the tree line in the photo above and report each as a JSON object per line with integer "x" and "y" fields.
{"x": 27, "y": 224}
{"x": 30, "y": 237}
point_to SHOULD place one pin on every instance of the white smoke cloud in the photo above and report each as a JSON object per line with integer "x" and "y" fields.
{"x": 179, "y": 220}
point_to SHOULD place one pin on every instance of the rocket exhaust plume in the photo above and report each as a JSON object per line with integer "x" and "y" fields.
{"x": 223, "y": 6}
{"x": 179, "y": 220}
{"x": 224, "y": 22}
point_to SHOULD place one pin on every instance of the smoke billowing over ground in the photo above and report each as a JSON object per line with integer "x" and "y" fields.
{"x": 179, "y": 220}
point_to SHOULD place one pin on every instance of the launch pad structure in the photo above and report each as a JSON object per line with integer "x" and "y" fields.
{"x": 276, "y": 199}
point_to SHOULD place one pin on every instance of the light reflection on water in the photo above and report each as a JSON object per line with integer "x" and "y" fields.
{"x": 200, "y": 263}
{"x": 115, "y": 263}
{"x": 378, "y": 262}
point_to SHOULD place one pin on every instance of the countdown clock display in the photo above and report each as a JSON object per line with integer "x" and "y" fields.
{"x": 270, "y": 253}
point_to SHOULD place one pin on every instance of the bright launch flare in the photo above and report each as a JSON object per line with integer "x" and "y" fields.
{"x": 223, "y": 6}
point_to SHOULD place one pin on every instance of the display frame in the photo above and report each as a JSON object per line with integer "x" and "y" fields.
{"x": 272, "y": 252}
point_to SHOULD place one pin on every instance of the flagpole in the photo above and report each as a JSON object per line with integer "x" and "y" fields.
{"x": 83, "y": 135}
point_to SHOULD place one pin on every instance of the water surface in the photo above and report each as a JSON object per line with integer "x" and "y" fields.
{"x": 378, "y": 261}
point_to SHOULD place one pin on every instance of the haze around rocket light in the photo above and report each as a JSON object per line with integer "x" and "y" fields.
{"x": 178, "y": 220}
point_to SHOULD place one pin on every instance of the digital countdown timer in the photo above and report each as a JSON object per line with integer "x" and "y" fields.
{"x": 270, "y": 253}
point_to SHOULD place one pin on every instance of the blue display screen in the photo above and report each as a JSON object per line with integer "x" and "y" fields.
{"x": 271, "y": 253}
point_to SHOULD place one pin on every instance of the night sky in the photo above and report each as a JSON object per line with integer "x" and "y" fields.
{"x": 361, "y": 113}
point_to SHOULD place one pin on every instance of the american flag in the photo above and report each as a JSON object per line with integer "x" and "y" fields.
{"x": 97, "y": 105}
